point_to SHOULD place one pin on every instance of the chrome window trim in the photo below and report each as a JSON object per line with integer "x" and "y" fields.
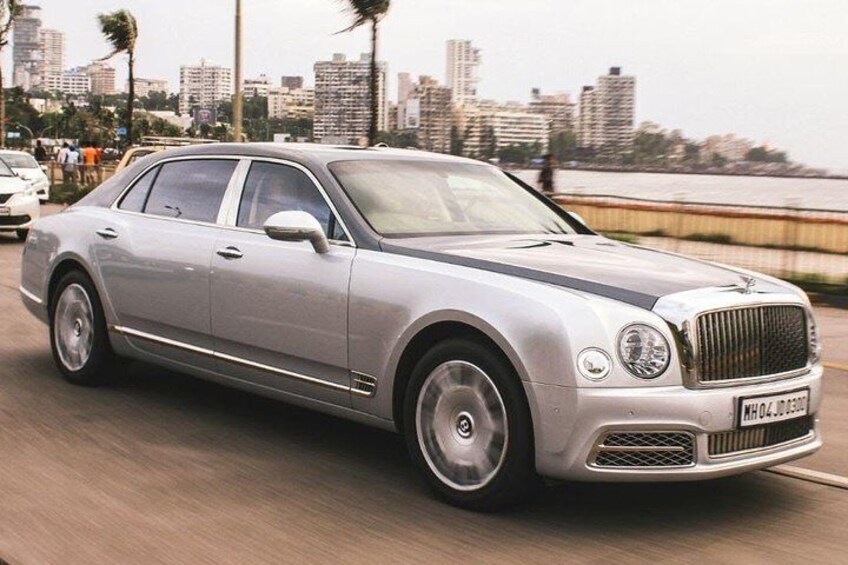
{"x": 126, "y": 331}
{"x": 232, "y": 216}
{"x": 114, "y": 207}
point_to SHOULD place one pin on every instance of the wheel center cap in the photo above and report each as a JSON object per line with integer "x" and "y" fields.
{"x": 465, "y": 425}
{"x": 77, "y": 328}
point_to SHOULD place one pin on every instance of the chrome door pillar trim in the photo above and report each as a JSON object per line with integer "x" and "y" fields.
{"x": 237, "y": 360}
{"x": 228, "y": 213}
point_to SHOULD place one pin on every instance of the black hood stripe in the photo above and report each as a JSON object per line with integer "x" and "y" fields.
{"x": 638, "y": 299}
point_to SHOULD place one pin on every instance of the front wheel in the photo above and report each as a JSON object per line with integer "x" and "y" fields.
{"x": 78, "y": 337}
{"x": 468, "y": 426}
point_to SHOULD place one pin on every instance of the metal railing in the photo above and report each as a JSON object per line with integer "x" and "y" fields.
{"x": 806, "y": 245}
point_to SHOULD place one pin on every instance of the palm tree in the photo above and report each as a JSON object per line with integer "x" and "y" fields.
{"x": 121, "y": 31}
{"x": 370, "y": 12}
{"x": 9, "y": 10}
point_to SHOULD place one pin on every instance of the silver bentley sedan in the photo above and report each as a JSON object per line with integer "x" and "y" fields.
{"x": 435, "y": 296}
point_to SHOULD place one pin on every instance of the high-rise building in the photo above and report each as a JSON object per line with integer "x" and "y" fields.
{"x": 292, "y": 82}
{"x": 75, "y": 82}
{"x": 463, "y": 62}
{"x": 253, "y": 87}
{"x": 611, "y": 110}
{"x": 587, "y": 120}
{"x": 146, "y": 86}
{"x": 204, "y": 86}
{"x": 52, "y": 57}
{"x": 558, "y": 108}
{"x": 343, "y": 99}
{"x": 102, "y": 77}
{"x": 489, "y": 127}
{"x": 26, "y": 49}
{"x": 428, "y": 111}
{"x": 291, "y": 103}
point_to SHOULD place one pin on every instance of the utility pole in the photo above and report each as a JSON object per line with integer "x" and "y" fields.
{"x": 238, "y": 100}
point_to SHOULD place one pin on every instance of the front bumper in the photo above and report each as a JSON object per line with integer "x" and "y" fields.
{"x": 570, "y": 422}
{"x": 19, "y": 213}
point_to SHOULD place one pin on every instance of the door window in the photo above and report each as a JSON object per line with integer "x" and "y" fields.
{"x": 272, "y": 188}
{"x": 190, "y": 190}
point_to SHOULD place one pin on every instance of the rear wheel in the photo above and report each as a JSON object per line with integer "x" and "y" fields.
{"x": 468, "y": 427}
{"x": 78, "y": 336}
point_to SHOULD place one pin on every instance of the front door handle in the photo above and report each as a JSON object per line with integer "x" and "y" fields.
{"x": 230, "y": 253}
{"x": 107, "y": 233}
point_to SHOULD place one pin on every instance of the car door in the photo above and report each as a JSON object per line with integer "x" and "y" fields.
{"x": 279, "y": 309}
{"x": 154, "y": 257}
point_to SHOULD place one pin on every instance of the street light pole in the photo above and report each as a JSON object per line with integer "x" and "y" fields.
{"x": 237, "y": 98}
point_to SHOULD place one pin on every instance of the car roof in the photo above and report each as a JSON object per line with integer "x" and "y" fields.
{"x": 312, "y": 152}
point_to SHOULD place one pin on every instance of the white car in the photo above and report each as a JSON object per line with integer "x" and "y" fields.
{"x": 25, "y": 166}
{"x": 19, "y": 205}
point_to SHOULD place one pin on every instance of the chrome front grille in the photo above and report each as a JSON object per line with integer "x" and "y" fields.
{"x": 759, "y": 437}
{"x": 645, "y": 450}
{"x": 750, "y": 342}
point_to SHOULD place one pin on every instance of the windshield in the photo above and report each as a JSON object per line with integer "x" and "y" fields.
{"x": 427, "y": 198}
{"x": 19, "y": 160}
{"x": 5, "y": 171}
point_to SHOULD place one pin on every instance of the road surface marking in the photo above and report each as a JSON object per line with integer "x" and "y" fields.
{"x": 812, "y": 476}
{"x": 837, "y": 366}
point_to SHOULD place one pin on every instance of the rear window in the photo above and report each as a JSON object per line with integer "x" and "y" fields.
{"x": 190, "y": 190}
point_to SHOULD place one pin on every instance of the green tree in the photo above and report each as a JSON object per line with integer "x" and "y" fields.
{"x": 9, "y": 10}
{"x": 370, "y": 12}
{"x": 121, "y": 30}
{"x": 563, "y": 146}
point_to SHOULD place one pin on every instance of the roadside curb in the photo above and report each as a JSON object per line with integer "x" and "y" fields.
{"x": 837, "y": 366}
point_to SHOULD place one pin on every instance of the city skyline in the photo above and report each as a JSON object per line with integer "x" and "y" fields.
{"x": 773, "y": 76}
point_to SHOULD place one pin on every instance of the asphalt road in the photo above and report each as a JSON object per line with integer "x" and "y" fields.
{"x": 167, "y": 469}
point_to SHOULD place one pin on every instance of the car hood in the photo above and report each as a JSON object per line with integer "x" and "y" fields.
{"x": 11, "y": 185}
{"x": 29, "y": 174}
{"x": 591, "y": 263}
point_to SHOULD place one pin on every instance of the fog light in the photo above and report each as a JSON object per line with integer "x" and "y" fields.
{"x": 594, "y": 364}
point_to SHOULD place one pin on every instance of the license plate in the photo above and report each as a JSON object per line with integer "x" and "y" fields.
{"x": 5, "y": 211}
{"x": 758, "y": 410}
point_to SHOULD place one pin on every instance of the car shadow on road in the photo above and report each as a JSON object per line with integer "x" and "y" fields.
{"x": 371, "y": 468}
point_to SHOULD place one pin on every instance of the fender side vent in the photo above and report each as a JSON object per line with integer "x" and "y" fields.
{"x": 362, "y": 384}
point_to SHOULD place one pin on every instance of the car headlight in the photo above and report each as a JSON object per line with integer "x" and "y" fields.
{"x": 643, "y": 351}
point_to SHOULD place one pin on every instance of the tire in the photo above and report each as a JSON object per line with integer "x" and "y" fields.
{"x": 22, "y": 234}
{"x": 468, "y": 428}
{"x": 78, "y": 335}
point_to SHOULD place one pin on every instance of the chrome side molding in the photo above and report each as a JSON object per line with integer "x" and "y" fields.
{"x": 359, "y": 390}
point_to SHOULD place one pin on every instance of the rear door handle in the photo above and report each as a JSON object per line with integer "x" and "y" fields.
{"x": 107, "y": 233}
{"x": 230, "y": 253}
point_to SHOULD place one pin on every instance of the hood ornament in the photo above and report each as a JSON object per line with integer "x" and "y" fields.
{"x": 747, "y": 285}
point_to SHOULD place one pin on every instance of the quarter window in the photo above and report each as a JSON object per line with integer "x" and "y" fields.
{"x": 272, "y": 188}
{"x": 190, "y": 190}
{"x": 134, "y": 200}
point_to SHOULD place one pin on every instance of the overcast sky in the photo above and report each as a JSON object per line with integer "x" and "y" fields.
{"x": 772, "y": 70}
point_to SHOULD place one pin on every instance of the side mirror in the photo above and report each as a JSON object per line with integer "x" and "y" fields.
{"x": 297, "y": 226}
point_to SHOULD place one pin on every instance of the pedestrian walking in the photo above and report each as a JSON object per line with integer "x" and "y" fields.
{"x": 72, "y": 163}
{"x": 40, "y": 153}
{"x": 89, "y": 161}
{"x": 546, "y": 175}
{"x": 62, "y": 160}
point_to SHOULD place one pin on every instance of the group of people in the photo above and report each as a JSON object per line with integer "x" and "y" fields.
{"x": 80, "y": 165}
